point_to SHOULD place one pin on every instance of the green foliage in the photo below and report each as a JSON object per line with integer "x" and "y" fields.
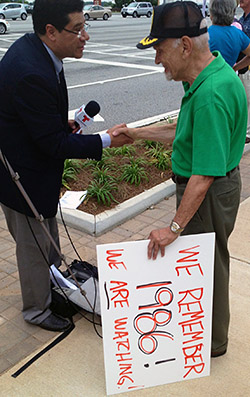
{"x": 162, "y": 160}
{"x": 119, "y": 4}
{"x": 133, "y": 172}
{"x": 155, "y": 150}
{"x": 125, "y": 150}
{"x": 102, "y": 191}
{"x": 130, "y": 164}
{"x": 102, "y": 175}
{"x": 71, "y": 168}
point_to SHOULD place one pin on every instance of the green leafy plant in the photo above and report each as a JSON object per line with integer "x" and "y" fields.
{"x": 150, "y": 144}
{"x": 102, "y": 191}
{"x": 102, "y": 174}
{"x": 155, "y": 150}
{"x": 71, "y": 168}
{"x": 133, "y": 172}
{"x": 162, "y": 160}
{"x": 125, "y": 150}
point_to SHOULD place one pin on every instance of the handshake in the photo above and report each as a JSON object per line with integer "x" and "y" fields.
{"x": 120, "y": 135}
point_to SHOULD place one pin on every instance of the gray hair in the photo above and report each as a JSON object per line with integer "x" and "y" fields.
{"x": 201, "y": 42}
{"x": 222, "y": 11}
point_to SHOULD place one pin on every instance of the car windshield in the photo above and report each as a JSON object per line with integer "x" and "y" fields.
{"x": 87, "y": 7}
{"x": 133, "y": 5}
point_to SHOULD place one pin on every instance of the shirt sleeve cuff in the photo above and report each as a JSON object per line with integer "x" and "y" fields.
{"x": 106, "y": 140}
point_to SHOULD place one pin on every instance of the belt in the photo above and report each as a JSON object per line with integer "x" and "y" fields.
{"x": 183, "y": 180}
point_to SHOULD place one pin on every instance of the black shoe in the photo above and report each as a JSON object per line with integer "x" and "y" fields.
{"x": 54, "y": 322}
{"x": 218, "y": 354}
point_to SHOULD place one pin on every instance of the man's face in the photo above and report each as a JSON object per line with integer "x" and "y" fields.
{"x": 245, "y": 5}
{"x": 168, "y": 54}
{"x": 69, "y": 44}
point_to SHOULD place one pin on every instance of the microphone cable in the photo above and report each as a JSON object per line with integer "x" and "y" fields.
{"x": 79, "y": 257}
{"x": 15, "y": 177}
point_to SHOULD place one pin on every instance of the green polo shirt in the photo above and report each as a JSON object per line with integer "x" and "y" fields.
{"x": 211, "y": 128}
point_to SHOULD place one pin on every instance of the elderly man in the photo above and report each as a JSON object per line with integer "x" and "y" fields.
{"x": 208, "y": 143}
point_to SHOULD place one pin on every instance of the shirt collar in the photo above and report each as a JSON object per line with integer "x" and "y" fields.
{"x": 58, "y": 64}
{"x": 216, "y": 64}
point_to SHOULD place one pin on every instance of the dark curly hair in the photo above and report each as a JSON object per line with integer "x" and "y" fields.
{"x": 54, "y": 12}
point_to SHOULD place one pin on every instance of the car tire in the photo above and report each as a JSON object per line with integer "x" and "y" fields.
{"x": 149, "y": 14}
{"x": 134, "y": 15}
{"x": 124, "y": 15}
{"x": 2, "y": 16}
{"x": 86, "y": 16}
{"x": 2, "y": 28}
{"x": 105, "y": 17}
{"x": 23, "y": 17}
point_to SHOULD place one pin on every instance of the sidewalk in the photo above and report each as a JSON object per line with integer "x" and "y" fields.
{"x": 75, "y": 366}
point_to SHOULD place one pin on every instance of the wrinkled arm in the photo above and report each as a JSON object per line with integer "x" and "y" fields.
{"x": 164, "y": 133}
{"x": 194, "y": 195}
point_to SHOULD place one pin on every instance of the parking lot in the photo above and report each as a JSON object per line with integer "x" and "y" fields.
{"x": 124, "y": 80}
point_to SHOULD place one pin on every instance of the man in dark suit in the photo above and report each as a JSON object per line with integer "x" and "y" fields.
{"x": 36, "y": 137}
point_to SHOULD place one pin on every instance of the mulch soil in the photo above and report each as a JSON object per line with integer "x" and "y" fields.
{"x": 125, "y": 190}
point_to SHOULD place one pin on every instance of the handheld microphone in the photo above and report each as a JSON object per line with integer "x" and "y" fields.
{"x": 84, "y": 116}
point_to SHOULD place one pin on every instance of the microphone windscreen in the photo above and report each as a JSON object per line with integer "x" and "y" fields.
{"x": 92, "y": 108}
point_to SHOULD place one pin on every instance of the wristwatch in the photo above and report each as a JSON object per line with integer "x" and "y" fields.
{"x": 175, "y": 228}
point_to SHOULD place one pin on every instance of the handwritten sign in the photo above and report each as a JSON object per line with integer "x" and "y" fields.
{"x": 156, "y": 315}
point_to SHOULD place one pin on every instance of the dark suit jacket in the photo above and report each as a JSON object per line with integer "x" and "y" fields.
{"x": 34, "y": 133}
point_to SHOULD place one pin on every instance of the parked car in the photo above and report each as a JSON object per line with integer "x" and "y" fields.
{"x": 95, "y": 11}
{"x": 4, "y": 26}
{"x": 29, "y": 8}
{"x": 137, "y": 9}
{"x": 13, "y": 11}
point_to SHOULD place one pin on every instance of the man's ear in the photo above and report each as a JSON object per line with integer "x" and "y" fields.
{"x": 187, "y": 46}
{"x": 51, "y": 32}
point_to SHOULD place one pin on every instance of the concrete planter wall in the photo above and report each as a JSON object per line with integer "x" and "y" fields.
{"x": 101, "y": 223}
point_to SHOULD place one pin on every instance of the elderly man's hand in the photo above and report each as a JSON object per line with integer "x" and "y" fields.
{"x": 159, "y": 239}
{"x": 123, "y": 129}
{"x": 121, "y": 138}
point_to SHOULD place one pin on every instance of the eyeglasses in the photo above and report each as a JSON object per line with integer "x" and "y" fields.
{"x": 80, "y": 32}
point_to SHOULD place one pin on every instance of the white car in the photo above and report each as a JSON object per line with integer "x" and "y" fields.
{"x": 4, "y": 26}
{"x": 137, "y": 9}
{"x": 13, "y": 11}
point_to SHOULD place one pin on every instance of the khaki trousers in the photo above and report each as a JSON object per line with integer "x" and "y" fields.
{"x": 217, "y": 213}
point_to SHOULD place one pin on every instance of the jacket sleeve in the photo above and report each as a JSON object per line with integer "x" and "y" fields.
{"x": 37, "y": 102}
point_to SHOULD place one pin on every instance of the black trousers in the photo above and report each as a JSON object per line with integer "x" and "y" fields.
{"x": 217, "y": 213}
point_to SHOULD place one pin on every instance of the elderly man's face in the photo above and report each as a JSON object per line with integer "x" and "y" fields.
{"x": 168, "y": 53}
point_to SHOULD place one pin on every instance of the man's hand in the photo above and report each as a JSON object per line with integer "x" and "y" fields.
{"x": 164, "y": 133}
{"x": 73, "y": 126}
{"x": 123, "y": 129}
{"x": 121, "y": 139}
{"x": 159, "y": 239}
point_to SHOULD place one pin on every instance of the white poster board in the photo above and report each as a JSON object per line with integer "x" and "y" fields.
{"x": 156, "y": 315}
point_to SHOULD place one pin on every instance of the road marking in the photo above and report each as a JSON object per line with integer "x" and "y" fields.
{"x": 119, "y": 55}
{"x": 120, "y": 64}
{"x": 111, "y": 80}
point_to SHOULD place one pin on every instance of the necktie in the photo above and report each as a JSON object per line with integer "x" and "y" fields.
{"x": 63, "y": 91}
